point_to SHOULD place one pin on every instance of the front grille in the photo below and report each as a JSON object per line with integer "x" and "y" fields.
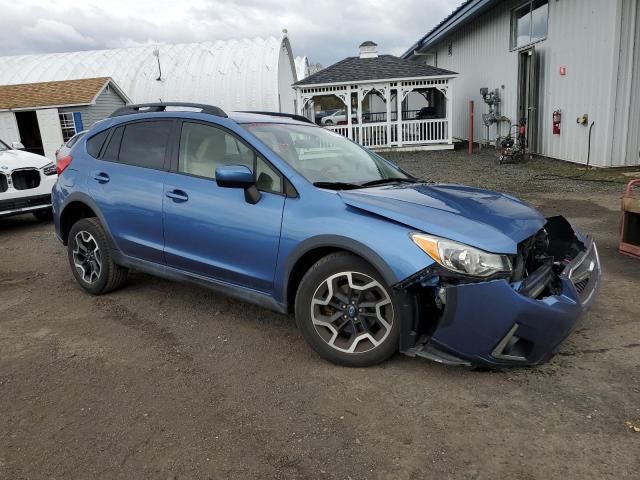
{"x": 25, "y": 179}
{"x": 3, "y": 183}
{"x": 18, "y": 203}
{"x": 584, "y": 272}
{"x": 581, "y": 285}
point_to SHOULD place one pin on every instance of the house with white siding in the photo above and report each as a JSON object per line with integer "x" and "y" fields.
{"x": 44, "y": 115}
{"x": 569, "y": 68}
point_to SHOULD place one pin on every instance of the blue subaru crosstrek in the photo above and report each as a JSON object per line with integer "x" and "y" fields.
{"x": 273, "y": 210}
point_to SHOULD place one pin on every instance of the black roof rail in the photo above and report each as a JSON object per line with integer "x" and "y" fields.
{"x": 162, "y": 106}
{"x": 293, "y": 116}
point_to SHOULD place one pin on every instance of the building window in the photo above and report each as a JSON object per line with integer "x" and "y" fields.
{"x": 529, "y": 23}
{"x": 68, "y": 125}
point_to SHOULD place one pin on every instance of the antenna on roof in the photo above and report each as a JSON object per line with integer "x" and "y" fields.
{"x": 156, "y": 53}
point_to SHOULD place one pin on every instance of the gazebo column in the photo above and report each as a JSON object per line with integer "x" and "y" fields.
{"x": 360, "y": 98}
{"x": 347, "y": 100}
{"x": 399, "y": 98}
{"x": 448, "y": 97}
{"x": 387, "y": 102}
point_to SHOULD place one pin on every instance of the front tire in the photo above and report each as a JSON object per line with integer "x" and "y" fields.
{"x": 91, "y": 260}
{"x": 346, "y": 312}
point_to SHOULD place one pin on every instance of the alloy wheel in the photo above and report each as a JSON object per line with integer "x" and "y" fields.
{"x": 352, "y": 312}
{"x": 87, "y": 257}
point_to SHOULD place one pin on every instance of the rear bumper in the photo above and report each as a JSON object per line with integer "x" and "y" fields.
{"x": 490, "y": 323}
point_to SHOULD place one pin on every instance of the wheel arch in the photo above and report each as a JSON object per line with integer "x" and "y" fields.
{"x": 312, "y": 250}
{"x": 76, "y": 207}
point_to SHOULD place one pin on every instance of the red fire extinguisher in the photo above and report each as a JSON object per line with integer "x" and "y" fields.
{"x": 557, "y": 118}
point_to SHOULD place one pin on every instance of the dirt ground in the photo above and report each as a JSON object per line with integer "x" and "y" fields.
{"x": 170, "y": 381}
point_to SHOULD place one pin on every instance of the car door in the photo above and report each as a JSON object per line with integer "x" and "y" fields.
{"x": 127, "y": 183}
{"x": 213, "y": 231}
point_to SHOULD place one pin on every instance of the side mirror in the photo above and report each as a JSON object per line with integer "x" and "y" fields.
{"x": 238, "y": 176}
{"x": 17, "y": 146}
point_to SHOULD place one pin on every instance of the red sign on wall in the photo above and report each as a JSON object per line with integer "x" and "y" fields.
{"x": 563, "y": 71}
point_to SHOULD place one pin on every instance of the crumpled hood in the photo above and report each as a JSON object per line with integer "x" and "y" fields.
{"x": 494, "y": 222}
{"x": 12, "y": 159}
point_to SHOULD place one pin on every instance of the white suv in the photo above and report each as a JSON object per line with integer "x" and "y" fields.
{"x": 26, "y": 181}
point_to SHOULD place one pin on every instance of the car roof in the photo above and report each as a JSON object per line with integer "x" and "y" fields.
{"x": 237, "y": 117}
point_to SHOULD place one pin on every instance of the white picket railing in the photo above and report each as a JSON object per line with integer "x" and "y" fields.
{"x": 374, "y": 135}
{"x": 341, "y": 129}
{"x": 425, "y": 131}
{"x": 414, "y": 132}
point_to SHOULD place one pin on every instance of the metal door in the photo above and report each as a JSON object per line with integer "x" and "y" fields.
{"x": 528, "y": 95}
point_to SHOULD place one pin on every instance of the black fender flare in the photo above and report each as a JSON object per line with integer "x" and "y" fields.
{"x": 87, "y": 200}
{"x": 337, "y": 242}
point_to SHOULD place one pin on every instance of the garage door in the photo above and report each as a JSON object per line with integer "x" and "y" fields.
{"x": 8, "y": 128}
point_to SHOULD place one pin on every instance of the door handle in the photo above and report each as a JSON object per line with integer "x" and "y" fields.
{"x": 178, "y": 196}
{"x": 101, "y": 177}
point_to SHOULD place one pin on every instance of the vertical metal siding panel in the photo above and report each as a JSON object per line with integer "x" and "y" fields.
{"x": 632, "y": 156}
{"x": 627, "y": 119}
{"x": 580, "y": 37}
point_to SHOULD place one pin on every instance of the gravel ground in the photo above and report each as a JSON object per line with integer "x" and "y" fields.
{"x": 165, "y": 380}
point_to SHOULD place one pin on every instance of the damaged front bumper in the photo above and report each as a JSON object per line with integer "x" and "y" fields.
{"x": 500, "y": 322}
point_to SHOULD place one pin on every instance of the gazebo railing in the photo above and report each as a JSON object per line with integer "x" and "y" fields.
{"x": 425, "y": 131}
{"x": 413, "y": 132}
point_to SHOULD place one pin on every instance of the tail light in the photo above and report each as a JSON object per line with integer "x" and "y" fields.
{"x": 63, "y": 163}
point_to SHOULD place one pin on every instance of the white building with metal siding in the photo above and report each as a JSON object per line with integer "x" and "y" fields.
{"x": 249, "y": 74}
{"x": 588, "y": 62}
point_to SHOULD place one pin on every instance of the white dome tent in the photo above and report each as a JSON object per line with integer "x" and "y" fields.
{"x": 249, "y": 74}
{"x": 303, "y": 70}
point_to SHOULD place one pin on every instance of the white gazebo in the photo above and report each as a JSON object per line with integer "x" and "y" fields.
{"x": 388, "y": 102}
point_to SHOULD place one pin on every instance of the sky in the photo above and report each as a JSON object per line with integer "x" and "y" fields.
{"x": 324, "y": 30}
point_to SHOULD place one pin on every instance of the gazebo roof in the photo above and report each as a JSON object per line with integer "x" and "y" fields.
{"x": 382, "y": 67}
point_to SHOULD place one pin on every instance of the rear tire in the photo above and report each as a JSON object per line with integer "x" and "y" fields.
{"x": 345, "y": 311}
{"x": 91, "y": 259}
{"x": 44, "y": 215}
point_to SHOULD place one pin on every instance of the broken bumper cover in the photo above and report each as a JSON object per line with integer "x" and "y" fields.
{"x": 491, "y": 323}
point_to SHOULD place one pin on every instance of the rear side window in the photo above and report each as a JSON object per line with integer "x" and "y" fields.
{"x": 112, "y": 149}
{"x": 144, "y": 144}
{"x": 74, "y": 140}
{"x": 94, "y": 144}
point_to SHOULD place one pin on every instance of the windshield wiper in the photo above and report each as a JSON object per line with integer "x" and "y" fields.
{"x": 336, "y": 185}
{"x": 385, "y": 181}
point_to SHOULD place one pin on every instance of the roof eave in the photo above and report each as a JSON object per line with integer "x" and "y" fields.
{"x": 43, "y": 107}
{"x": 379, "y": 80}
{"x": 110, "y": 82}
{"x": 465, "y": 13}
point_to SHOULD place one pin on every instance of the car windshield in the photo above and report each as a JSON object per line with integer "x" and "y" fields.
{"x": 3, "y": 146}
{"x": 325, "y": 157}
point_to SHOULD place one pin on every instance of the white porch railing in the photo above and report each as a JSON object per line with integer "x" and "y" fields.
{"x": 374, "y": 135}
{"x": 414, "y": 132}
{"x": 425, "y": 131}
{"x": 341, "y": 129}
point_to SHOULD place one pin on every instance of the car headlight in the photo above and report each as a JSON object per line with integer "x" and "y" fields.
{"x": 461, "y": 258}
{"x": 49, "y": 169}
